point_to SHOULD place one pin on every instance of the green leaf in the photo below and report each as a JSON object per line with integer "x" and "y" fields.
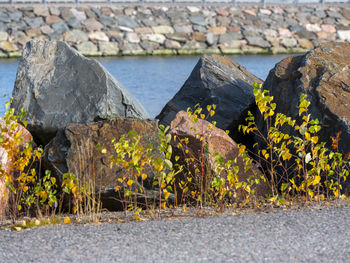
{"x": 168, "y": 163}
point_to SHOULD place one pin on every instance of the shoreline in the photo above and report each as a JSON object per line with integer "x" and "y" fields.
{"x": 109, "y": 31}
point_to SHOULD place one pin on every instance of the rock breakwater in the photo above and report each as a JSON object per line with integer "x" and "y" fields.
{"x": 108, "y": 31}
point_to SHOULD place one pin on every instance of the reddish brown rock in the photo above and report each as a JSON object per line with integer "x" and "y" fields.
{"x": 234, "y": 28}
{"x": 249, "y": 12}
{"x": 143, "y": 30}
{"x": 6, "y": 164}
{"x": 92, "y": 24}
{"x": 222, "y": 12}
{"x": 75, "y": 150}
{"x": 52, "y": 20}
{"x": 217, "y": 30}
{"x": 198, "y": 36}
{"x": 33, "y": 32}
{"x": 305, "y": 43}
{"x": 216, "y": 141}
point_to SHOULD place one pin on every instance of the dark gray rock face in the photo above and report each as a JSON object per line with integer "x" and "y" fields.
{"x": 324, "y": 75}
{"x": 215, "y": 80}
{"x": 56, "y": 86}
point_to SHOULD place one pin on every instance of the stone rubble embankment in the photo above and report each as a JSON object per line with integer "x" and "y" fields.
{"x": 108, "y": 31}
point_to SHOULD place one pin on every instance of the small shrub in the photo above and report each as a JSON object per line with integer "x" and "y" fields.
{"x": 139, "y": 163}
{"x": 27, "y": 191}
{"x": 207, "y": 183}
{"x": 295, "y": 165}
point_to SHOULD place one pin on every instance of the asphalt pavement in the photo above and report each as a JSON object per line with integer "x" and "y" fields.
{"x": 306, "y": 235}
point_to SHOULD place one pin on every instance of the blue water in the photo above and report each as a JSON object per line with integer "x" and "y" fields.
{"x": 152, "y": 80}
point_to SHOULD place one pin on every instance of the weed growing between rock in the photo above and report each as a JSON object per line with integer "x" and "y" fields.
{"x": 25, "y": 193}
{"x": 294, "y": 167}
{"x": 209, "y": 179}
{"x": 143, "y": 167}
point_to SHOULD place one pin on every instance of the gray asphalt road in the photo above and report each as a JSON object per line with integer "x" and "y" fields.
{"x": 283, "y": 236}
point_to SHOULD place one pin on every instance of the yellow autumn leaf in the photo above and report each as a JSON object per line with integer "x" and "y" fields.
{"x": 316, "y": 180}
{"x": 17, "y": 228}
{"x": 43, "y": 194}
{"x": 163, "y": 205}
{"x": 314, "y": 139}
{"x": 144, "y": 176}
{"x": 66, "y": 220}
{"x": 166, "y": 195}
{"x": 307, "y": 136}
{"x": 117, "y": 188}
{"x": 130, "y": 182}
{"x": 158, "y": 167}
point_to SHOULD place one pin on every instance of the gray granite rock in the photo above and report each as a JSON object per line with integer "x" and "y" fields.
{"x": 107, "y": 21}
{"x": 289, "y": 42}
{"x": 172, "y": 44}
{"x": 73, "y": 23}
{"x": 60, "y": 27}
{"x": 64, "y": 87}
{"x": 76, "y": 36}
{"x": 97, "y": 11}
{"x": 4, "y": 17}
{"x": 87, "y": 48}
{"x": 181, "y": 37}
{"x": 131, "y": 49}
{"x": 34, "y": 22}
{"x": 258, "y": 42}
{"x": 198, "y": 20}
{"x": 306, "y": 34}
{"x": 211, "y": 39}
{"x": 149, "y": 22}
{"x": 124, "y": 20}
{"x": 183, "y": 28}
{"x": 55, "y": 36}
{"x": 334, "y": 14}
{"x": 65, "y": 13}
{"x": 215, "y": 80}
{"x": 149, "y": 46}
{"x": 15, "y": 15}
{"x": 228, "y": 37}
{"x": 198, "y": 28}
{"x": 3, "y": 26}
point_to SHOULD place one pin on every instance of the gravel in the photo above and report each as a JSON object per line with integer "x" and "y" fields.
{"x": 306, "y": 235}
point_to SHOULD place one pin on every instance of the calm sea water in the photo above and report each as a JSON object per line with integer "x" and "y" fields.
{"x": 152, "y": 80}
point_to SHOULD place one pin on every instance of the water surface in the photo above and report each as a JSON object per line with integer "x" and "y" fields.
{"x": 152, "y": 80}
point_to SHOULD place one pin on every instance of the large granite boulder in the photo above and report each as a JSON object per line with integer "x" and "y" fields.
{"x": 324, "y": 75}
{"x": 215, "y": 141}
{"x": 7, "y": 133}
{"x": 215, "y": 80}
{"x": 56, "y": 86}
{"x": 74, "y": 150}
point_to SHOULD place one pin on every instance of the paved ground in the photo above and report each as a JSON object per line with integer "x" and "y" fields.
{"x": 283, "y": 236}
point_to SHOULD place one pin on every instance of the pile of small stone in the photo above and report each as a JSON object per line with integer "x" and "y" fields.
{"x": 175, "y": 30}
